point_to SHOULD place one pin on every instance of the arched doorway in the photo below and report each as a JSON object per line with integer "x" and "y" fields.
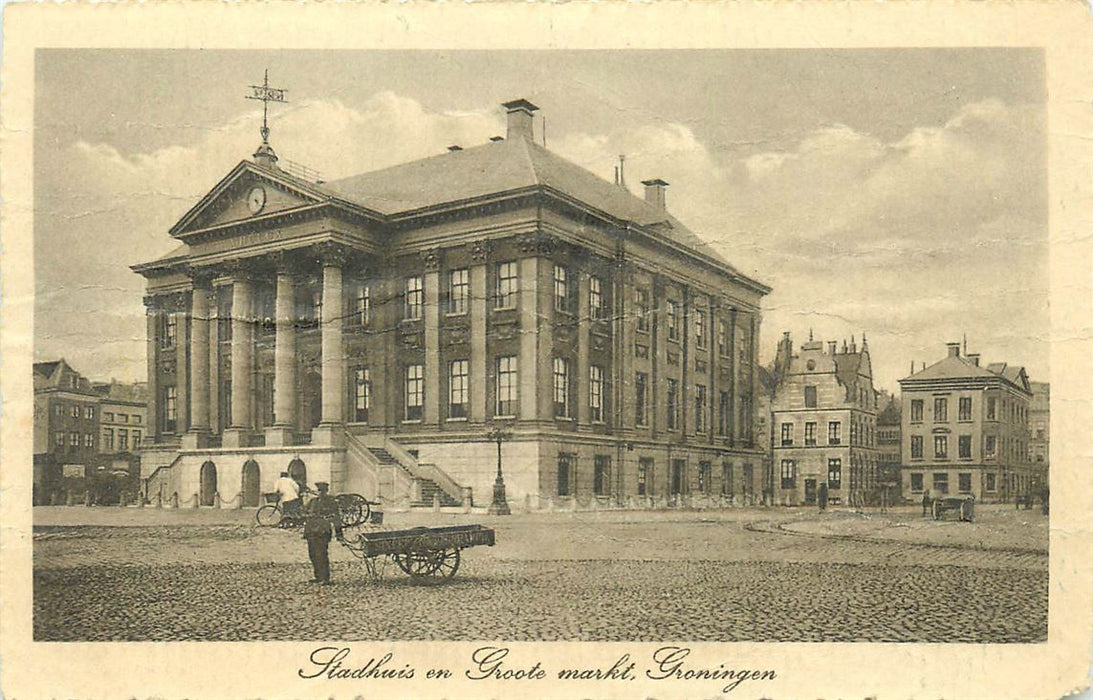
{"x": 252, "y": 484}
{"x": 297, "y": 471}
{"x": 207, "y": 494}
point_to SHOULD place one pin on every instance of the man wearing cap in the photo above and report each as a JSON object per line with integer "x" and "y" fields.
{"x": 322, "y": 518}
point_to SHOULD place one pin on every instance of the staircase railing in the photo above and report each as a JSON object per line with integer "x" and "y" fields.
{"x": 389, "y": 482}
{"x": 424, "y": 471}
{"x": 163, "y": 471}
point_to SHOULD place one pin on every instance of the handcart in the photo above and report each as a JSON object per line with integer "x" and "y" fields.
{"x": 427, "y": 554}
{"x": 962, "y": 506}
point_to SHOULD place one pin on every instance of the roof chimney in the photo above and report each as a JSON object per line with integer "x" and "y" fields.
{"x": 654, "y": 192}
{"x": 954, "y": 349}
{"x": 974, "y": 357}
{"x": 831, "y": 347}
{"x": 455, "y": 147}
{"x": 853, "y": 346}
{"x": 521, "y": 115}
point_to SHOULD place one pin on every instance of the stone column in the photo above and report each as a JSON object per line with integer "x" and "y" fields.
{"x": 331, "y": 428}
{"x": 197, "y": 435}
{"x": 479, "y": 300}
{"x": 528, "y": 364}
{"x": 179, "y": 308}
{"x": 242, "y": 353}
{"x": 284, "y": 359}
{"x": 152, "y": 349}
{"x": 431, "y": 321}
{"x": 734, "y": 424}
{"x": 583, "y": 328}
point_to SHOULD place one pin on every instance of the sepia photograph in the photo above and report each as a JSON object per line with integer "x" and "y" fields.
{"x": 385, "y": 349}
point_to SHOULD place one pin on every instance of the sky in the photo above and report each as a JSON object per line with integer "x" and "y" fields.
{"x": 896, "y": 193}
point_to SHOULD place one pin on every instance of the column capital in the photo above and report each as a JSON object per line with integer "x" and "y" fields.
{"x": 331, "y": 254}
{"x": 481, "y": 251}
{"x": 431, "y": 259}
{"x": 538, "y": 243}
{"x": 201, "y": 277}
{"x": 283, "y": 262}
{"x": 151, "y": 302}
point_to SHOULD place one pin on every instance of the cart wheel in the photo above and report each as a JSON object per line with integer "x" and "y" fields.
{"x": 353, "y": 509}
{"x": 416, "y": 563}
{"x": 268, "y": 516}
{"x": 445, "y": 564}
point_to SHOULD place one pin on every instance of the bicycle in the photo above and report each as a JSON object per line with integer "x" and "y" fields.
{"x": 353, "y": 509}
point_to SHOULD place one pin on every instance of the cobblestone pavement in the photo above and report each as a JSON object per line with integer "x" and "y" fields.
{"x": 749, "y": 574}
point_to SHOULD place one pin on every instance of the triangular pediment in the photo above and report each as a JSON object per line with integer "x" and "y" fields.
{"x": 247, "y": 192}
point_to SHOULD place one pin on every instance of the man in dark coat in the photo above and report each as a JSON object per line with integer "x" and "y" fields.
{"x": 823, "y": 496}
{"x": 322, "y": 519}
{"x": 926, "y": 502}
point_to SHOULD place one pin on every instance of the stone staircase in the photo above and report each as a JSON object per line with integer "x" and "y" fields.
{"x": 427, "y": 488}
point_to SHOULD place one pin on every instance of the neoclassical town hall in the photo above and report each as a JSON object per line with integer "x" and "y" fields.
{"x": 371, "y": 331}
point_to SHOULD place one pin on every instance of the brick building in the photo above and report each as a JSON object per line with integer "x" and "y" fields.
{"x": 370, "y": 330}
{"x": 66, "y": 427}
{"x": 965, "y": 429}
{"x": 823, "y": 418}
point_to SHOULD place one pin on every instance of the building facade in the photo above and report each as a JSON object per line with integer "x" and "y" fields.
{"x": 369, "y": 332}
{"x": 823, "y": 422}
{"x": 66, "y": 427}
{"x": 890, "y": 448}
{"x": 965, "y": 429}
{"x": 1039, "y": 415}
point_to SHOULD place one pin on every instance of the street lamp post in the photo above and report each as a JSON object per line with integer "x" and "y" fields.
{"x": 499, "y": 505}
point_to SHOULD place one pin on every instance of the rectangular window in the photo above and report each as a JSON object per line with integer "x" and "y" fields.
{"x": 941, "y": 447}
{"x": 990, "y": 482}
{"x": 123, "y": 439}
{"x": 459, "y": 287}
{"x": 722, "y": 339}
{"x": 916, "y": 447}
{"x": 672, "y": 319}
{"x": 700, "y": 408}
{"x": 672, "y": 387}
{"x": 414, "y": 298}
{"x": 136, "y": 419}
{"x": 726, "y": 479}
{"x": 170, "y": 407}
{"x": 787, "y": 434}
{"x": 645, "y": 472}
{"x": 916, "y": 482}
{"x": 561, "y": 387}
{"x": 362, "y": 310}
{"x": 415, "y": 392}
{"x": 789, "y": 474}
{"x": 834, "y": 473}
{"x": 810, "y": 397}
{"x": 88, "y": 440}
{"x": 123, "y": 417}
{"x": 641, "y": 302}
{"x": 89, "y": 412}
{"x": 505, "y": 291}
{"x": 561, "y": 288}
{"x": 965, "y": 408}
{"x": 810, "y": 434}
{"x": 170, "y": 330}
{"x": 595, "y": 393}
{"x": 990, "y": 445}
{"x": 601, "y": 478}
{"x": 941, "y": 482}
{"x": 74, "y": 439}
{"x": 108, "y": 439}
{"x": 595, "y": 297}
{"x": 641, "y": 381}
{"x": 964, "y": 482}
{"x": 458, "y": 388}
{"x": 700, "y": 329}
{"x": 916, "y": 410}
{"x": 59, "y": 438}
{"x": 941, "y": 410}
{"x": 965, "y": 446}
{"x": 704, "y": 477}
{"x": 566, "y": 465}
{"x": 59, "y": 409}
{"x": 362, "y": 393}
{"x": 136, "y": 439}
{"x": 723, "y": 413}
{"x": 834, "y": 433}
{"x": 992, "y": 408}
{"x": 506, "y": 386}
{"x": 75, "y": 411}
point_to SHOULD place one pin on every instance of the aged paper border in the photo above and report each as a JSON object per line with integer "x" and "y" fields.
{"x": 268, "y": 670}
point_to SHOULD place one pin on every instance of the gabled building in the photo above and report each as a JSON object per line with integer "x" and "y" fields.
{"x": 66, "y": 427}
{"x": 965, "y": 429}
{"x": 369, "y": 331}
{"x": 823, "y": 418}
{"x": 890, "y": 448}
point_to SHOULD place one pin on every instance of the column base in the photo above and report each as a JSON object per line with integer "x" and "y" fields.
{"x": 238, "y": 437}
{"x": 280, "y": 436}
{"x": 328, "y": 435}
{"x": 196, "y": 440}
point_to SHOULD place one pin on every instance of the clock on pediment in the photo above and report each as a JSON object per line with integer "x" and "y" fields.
{"x": 256, "y": 199}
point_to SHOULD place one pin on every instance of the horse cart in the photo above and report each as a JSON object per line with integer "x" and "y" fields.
{"x": 428, "y": 555}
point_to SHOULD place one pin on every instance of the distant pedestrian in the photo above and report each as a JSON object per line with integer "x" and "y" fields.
{"x": 322, "y": 519}
{"x": 288, "y": 492}
{"x": 823, "y": 496}
{"x": 926, "y": 502}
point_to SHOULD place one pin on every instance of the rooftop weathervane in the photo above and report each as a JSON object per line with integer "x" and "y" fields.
{"x": 266, "y": 94}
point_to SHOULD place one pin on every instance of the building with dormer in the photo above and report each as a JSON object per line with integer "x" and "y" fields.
{"x": 823, "y": 423}
{"x": 966, "y": 431}
{"x": 66, "y": 427}
{"x": 368, "y": 331}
